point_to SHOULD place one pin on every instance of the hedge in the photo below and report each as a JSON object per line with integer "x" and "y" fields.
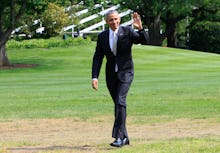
{"x": 205, "y": 36}
{"x": 47, "y": 43}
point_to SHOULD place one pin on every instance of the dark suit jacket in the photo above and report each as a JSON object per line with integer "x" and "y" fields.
{"x": 126, "y": 37}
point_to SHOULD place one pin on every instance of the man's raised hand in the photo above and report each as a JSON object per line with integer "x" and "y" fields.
{"x": 137, "y": 21}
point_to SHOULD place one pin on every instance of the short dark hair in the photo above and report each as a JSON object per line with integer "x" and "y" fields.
{"x": 110, "y": 12}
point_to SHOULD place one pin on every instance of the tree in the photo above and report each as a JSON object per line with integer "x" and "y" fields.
{"x": 205, "y": 26}
{"x": 208, "y": 10}
{"x": 176, "y": 11}
{"x": 153, "y": 12}
{"x": 54, "y": 19}
{"x": 10, "y": 13}
{"x": 62, "y": 2}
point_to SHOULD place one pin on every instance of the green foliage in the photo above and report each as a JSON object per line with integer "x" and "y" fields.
{"x": 61, "y": 3}
{"x": 205, "y": 26}
{"x": 205, "y": 36}
{"x": 54, "y": 19}
{"x": 158, "y": 13}
{"x": 208, "y": 10}
{"x": 47, "y": 43}
{"x": 11, "y": 12}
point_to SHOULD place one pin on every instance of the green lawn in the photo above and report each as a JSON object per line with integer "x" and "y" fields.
{"x": 169, "y": 84}
{"x": 176, "y": 146}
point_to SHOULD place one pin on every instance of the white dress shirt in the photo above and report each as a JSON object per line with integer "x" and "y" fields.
{"x": 111, "y": 37}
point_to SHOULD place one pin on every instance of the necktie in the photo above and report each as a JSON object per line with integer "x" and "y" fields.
{"x": 115, "y": 38}
{"x": 114, "y": 48}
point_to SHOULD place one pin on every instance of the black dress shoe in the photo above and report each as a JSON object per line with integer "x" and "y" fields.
{"x": 120, "y": 142}
{"x": 126, "y": 141}
{"x": 117, "y": 143}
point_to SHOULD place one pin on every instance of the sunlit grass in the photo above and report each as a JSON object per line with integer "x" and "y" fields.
{"x": 187, "y": 145}
{"x": 169, "y": 84}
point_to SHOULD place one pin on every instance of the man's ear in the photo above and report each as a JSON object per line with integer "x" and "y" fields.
{"x": 106, "y": 20}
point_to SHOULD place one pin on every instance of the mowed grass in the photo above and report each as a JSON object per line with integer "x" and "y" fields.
{"x": 175, "y": 83}
{"x": 169, "y": 84}
{"x": 187, "y": 145}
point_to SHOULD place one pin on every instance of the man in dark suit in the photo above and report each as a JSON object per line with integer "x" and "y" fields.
{"x": 115, "y": 44}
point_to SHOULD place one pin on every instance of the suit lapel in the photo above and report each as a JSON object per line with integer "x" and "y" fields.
{"x": 107, "y": 41}
{"x": 120, "y": 35}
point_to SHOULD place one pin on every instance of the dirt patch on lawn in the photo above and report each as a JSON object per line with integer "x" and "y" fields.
{"x": 94, "y": 135}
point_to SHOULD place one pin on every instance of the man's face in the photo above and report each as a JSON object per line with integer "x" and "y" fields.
{"x": 113, "y": 21}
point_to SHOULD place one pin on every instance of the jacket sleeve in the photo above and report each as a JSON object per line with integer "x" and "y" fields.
{"x": 140, "y": 37}
{"x": 97, "y": 58}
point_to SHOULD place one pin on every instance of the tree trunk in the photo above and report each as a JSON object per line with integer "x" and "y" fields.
{"x": 156, "y": 37}
{"x": 4, "y": 61}
{"x": 154, "y": 34}
{"x": 171, "y": 33}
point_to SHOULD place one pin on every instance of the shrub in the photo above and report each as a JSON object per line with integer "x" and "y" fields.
{"x": 47, "y": 43}
{"x": 205, "y": 36}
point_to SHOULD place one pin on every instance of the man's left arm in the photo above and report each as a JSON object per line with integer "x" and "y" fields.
{"x": 143, "y": 37}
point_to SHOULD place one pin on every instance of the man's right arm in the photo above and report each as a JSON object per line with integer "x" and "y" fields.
{"x": 95, "y": 83}
{"x": 97, "y": 63}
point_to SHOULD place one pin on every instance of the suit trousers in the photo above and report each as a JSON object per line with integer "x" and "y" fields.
{"x": 118, "y": 91}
